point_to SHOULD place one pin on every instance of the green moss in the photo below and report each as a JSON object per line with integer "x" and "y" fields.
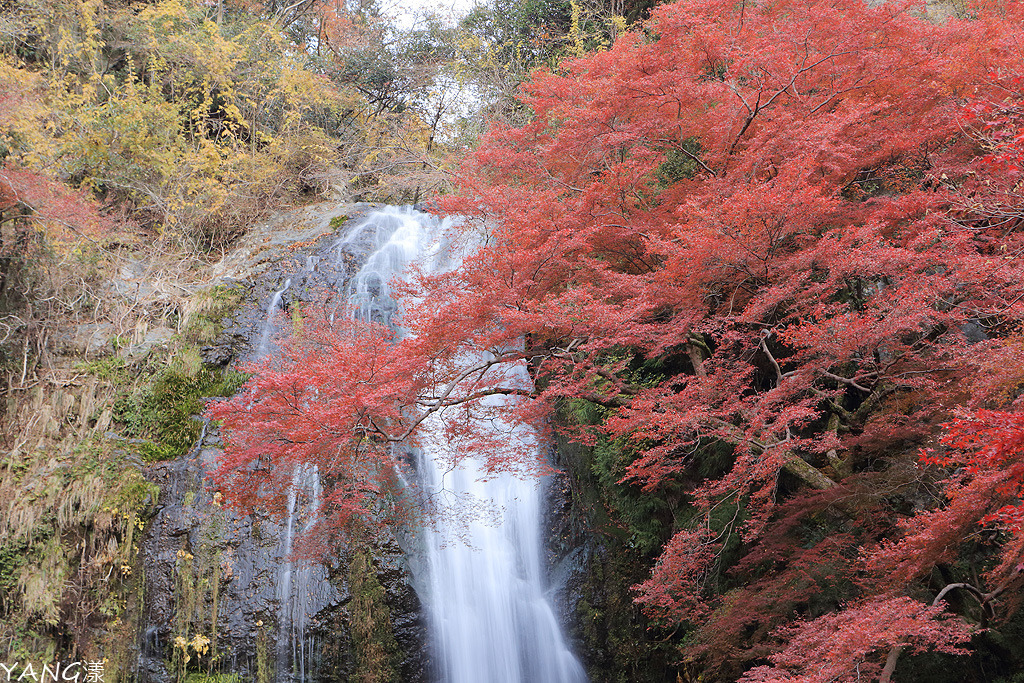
{"x": 212, "y": 678}
{"x": 338, "y": 221}
{"x": 263, "y": 672}
{"x": 12, "y": 559}
{"x": 647, "y": 518}
{"x": 134, "y": 493}
{"x": 164, "y": 411}
{"x": 622, "y": 648}
{"x": 120, "y": 643}
{"x": 639, "y": 520}
{"x": 374, "y": 647}
{"x": 194, "y": 654}
{"x": 631, "y": 527}
{"x": 680, "y": 163}
{"x": 74, "y": 533}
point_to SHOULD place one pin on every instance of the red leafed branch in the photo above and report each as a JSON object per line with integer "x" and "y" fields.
{"x": 27, "y": 195}
{"x": 326, "y": 401}
{"x": 985, "y": 453}
{"x": 345, "y": 397}
{"x": 850, "y": 645}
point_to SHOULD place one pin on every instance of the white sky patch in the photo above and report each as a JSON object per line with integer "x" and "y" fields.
{"x": 407, "y": 11}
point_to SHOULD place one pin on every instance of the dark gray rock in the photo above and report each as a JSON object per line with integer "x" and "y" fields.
{"x": 974, "y": 332}
{"x": 193, "y": 540}
{"x": 569, "y": 552}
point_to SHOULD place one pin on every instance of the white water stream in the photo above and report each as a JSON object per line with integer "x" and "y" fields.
{"x": 480, "y": 578}
{"x": 479, "y": 572}
{"x": 297, "y": 588}
{"x": 270, "y": 324}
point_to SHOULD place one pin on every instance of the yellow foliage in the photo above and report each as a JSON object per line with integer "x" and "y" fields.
{"x": 200, "y": 643}
{"x": 203, "y": 129}
{"x": 196, "y": 128}
{"x": 575, "y": 34}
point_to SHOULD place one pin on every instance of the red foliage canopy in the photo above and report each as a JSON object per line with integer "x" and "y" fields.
{"x": 784, "y": 207}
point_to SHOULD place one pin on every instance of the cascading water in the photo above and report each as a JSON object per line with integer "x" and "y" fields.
{"x": 396, "y": 238}
{"x": 481, "y": 580}
{"x": 269, "y": 323}
{"x": 297, "y": 589}
{"x": 490, "y": 616}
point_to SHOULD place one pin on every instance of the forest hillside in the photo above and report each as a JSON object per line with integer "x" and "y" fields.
{"x": 761, "y": 261}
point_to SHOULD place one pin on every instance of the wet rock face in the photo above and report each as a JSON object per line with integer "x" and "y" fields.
{"x": 407, "y": 621}
{"x": 593, "y": 568}
{"x": 296, "y": 247}
{"x": 226, "y": 577}
{"x": 198, "y": 555}
{"x": 570, "y": 552}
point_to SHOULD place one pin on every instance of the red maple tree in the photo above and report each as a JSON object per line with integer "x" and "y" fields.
{"x": 772, "y": 228}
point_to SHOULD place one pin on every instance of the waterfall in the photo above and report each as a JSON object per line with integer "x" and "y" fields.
{"x": 490, "y": 617}
{"x": 396, "y": 238}
{"x": 269, "y": 324}
{"x": 297, "y": 589}
{"x": 480, "y": 578}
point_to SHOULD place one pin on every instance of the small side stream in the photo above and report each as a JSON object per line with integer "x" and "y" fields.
{"x": 289, "y": 617}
